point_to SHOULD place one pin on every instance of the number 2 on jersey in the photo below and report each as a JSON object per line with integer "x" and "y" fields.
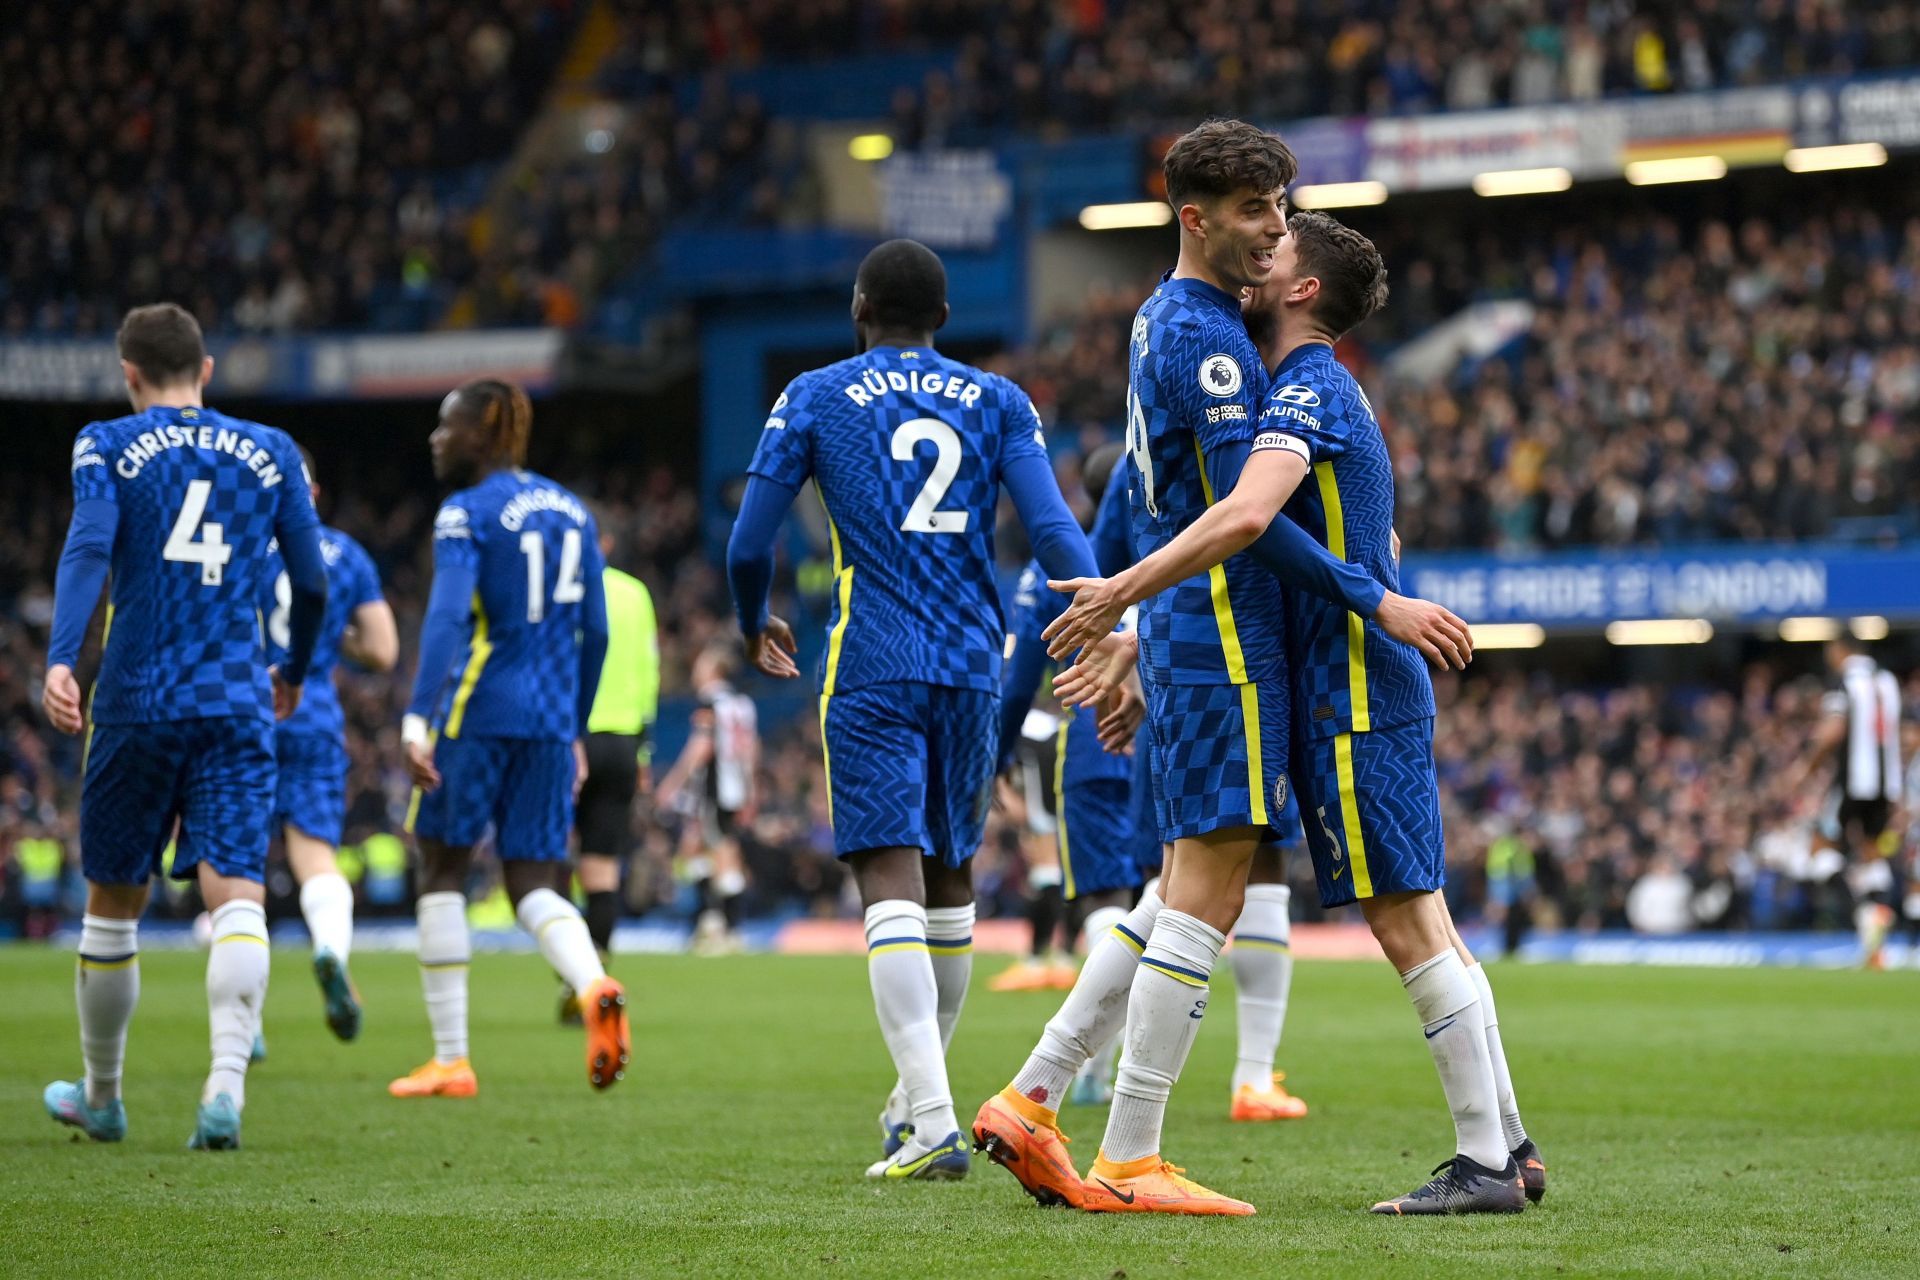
{"x": 567, "y": 589}
{"x": 923, "y": 516}
{"x": 208, "y": 550}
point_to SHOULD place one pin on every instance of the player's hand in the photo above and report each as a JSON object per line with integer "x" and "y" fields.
{"x": 1120, "y": 718}
{"x": 579, "y": 767}
{"x": 420, "y": 766}
{"x": 1096, "y": 607}
{"x": 1395, "y": 534}
{"x": 286, "y": 697}
{"x": 643, "y": 782}
{"x": 61, "y": 700}
{"x": 771, "y": 649}
{"x": 1099, "y": 672}
{"x": 1428, "y": 627}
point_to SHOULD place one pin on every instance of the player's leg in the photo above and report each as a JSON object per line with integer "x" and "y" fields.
{"x": 224, "y": 834}
{"x": 532, "y": 821}
{"x": 326, "y": 903}
{"x": 1371, "y": 805}
{"x": 445, "y": 953}
{"x": 1262, "y": 959}
{"x": 605, "y": 822}
{"x": 1093, "y": 1084}
{"x": 127, "y": 808}
{"x": 1526, "y": 1154}
{"x": 1869, "y": 875}
{"x": 599, "y": 876}
{"x": 447, "y": 822}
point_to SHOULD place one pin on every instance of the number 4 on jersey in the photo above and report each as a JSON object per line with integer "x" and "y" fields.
{"x": 208, "y": 550}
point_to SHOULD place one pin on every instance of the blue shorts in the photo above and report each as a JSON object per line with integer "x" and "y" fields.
{"x": 214, "y": 777}
{"x": 312, "y": 794}
{"x": 1148, "y": 852}
{"x": 1220, "y": 755}
{"x": 521, "y": 787}
{"x": 1371, "y": 804}
{"x": 909, "y": 765}
{"x": 1096, "y": 837}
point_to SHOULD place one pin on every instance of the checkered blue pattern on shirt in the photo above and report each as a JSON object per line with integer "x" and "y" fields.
{"x": 519, "y": 673}
{"x": 1195, "y": 384}
{"x": 1316, "y": 400}
{"x": 907, "y": 448}
{"x": 351, "y": 582}
{"x": 186, "y": 639}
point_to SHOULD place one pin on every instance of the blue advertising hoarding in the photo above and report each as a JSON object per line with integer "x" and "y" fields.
{"x": 1740, "y": 583}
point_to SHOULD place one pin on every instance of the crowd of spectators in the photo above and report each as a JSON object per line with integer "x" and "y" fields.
{"x": 1045, "y": 65}
{"x": 302, "y": 165}
{"x": 1644, "y": 806}
{"x": 1751, "y": 381}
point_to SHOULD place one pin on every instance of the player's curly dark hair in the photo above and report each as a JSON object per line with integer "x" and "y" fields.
{"x": 505, "y": 413}
{"x": 1221, "y": 157}
{"x": 163, "y": 342}
{"x": 1353, "y": 276}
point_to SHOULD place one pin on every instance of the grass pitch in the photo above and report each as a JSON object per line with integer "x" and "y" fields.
{"x": 1696, "y": 1123}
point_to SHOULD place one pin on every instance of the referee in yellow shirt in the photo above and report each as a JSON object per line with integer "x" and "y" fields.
{"x": 623, "y": 713}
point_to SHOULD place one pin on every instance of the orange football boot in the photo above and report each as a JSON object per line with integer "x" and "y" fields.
{"x": 1273, "y": 1103}
{"x": 604, "y": 1005}
{"x": 1151, "y": 1185}
{"x": 1024, "y": 1138}
{"x": 1028, "y": 975}
{"x": 437, "y": 1079}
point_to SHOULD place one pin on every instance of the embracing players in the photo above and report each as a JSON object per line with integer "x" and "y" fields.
{"x": 909, "y": 450}
{"x": 181, "y": 502}
{"x": 510, "y": 659}
{"x": 1214, "y": 663}
{"x": 1362, "y": 702}
{"x": 310, "y": 804}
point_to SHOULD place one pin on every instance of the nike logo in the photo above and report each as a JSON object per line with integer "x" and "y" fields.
{"x": 1437, "y": 1030}
{"x": 1339, "y": 871}
{"x": 1124, "y": 1197}
{"x": 1024, "y": 1125}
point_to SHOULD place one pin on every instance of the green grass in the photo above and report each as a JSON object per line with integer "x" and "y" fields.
{"x": 1701, "y": 1123}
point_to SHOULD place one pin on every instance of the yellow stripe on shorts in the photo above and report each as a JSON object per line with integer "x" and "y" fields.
{"x": 1350, "y": 816}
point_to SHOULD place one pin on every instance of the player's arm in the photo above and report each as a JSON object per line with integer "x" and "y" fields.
{"x": 297, "y": 526}
{"x": 1112, "y": 536}
{"x": 770, "y": 643}
{"x": 1020, "y": 677}
{"x": 372, "y": 637}
{"x": 1832, "y": 731}
{"x": 695, "y": 755}
{"x": 594, "y": 632}
{"x": 456, "y": 573}
{"x": 77, "y": 583}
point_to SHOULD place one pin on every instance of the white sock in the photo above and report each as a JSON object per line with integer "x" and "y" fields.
{"x": 1444, "y": 997}
{"x": 327, "y": 903}
{"x": 445, "y": 952}
{"x": 106, "y": 987}
{"x": 1095, "y": 1010}
{"x": 561, "y": 932}
{"x": 237, "y": 967}
{"x": 1262, "y": 960}
{"x": 1168, "y": 1000}
{"x": 1098, "y": 925}
{"x": 907, "y": 1002}
{"x": 950, "y": 943}
{"x": 1515, "y": 1132}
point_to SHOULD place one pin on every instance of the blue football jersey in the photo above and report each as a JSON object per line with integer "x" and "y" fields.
{"x": 906, "y": 447}
{"x": 351, "y": 582}
{"x": 201, "y": 497}
{"x": 1348, "y": 675}
{"x": 534, "y": 551}
{"x": 1034, "y": 607}
{"x": 1195, "y": 383}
